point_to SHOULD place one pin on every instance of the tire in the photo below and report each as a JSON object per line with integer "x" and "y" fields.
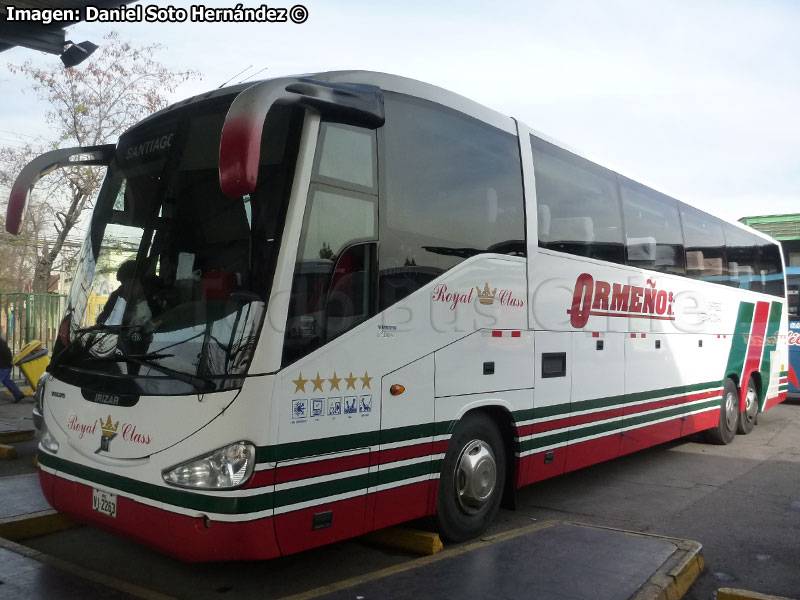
{"x": 747, "y": 418}
{"x": 725, "y": 430}
{"x": 472, "y": 480}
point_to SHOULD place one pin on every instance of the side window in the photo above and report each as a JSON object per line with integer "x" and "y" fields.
{"x": 334, "y": 285}
{"x": 705, "y": 245}
{"x": 451, "y": 188}
{"x": 770, "y": 268}
{"x": 653, "y": 237}
{"x": 346, "y": 156}
{"x": 577, "y": 204}
{"x": 742, "y": 250}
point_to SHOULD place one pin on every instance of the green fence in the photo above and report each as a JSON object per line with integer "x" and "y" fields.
{"x": 25, "y": 317}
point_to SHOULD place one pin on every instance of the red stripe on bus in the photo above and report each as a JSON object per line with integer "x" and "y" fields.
{"x": 516, "y": 334}
{"x": 612, "y": 413}
{"x": 598, "y": 416}
{"x": 322, "y": 467}
{"x": 261, "y": 479}
{"x": 526, "y": 430}
{"x": 407, "y": 452}
{"x": 497, "y": 334}
{"x": 755, "y": 345}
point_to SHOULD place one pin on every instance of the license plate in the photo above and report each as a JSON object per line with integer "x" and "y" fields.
{"x": 104, "y": 502}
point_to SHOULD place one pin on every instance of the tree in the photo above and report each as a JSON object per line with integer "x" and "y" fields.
{"x": 88, "y": 106}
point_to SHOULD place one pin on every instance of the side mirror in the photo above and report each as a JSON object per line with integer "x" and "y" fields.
{"x": 41, "y": 166}
{"x": 240, "y": 145}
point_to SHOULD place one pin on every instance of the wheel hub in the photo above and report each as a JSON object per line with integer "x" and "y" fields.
{"x": 751, "y": 404}
{"x": 475, "y": 476}
{"x": 731, "y": 410}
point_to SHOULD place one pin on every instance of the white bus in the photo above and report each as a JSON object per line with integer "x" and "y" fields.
{"x": 359, "y": 299}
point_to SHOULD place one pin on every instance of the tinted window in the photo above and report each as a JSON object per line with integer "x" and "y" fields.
{"x": 451, "y": 188}
{"x": 653, "y": 238}
{"x": 742, "y": 251}
{"x": 346, "y": 154}
{"x": 334, "y": 287}
{"x": 577, "y": 204}
{"x": 770, "y": 268}
{"x": 705, "y": 245}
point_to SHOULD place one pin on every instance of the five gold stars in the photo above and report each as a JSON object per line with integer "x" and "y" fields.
{"x": 333, "y": 382}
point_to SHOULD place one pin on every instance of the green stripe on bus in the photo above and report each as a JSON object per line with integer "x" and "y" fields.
{"x": 326, "y": 489}
{"x": 741, "y": 335}
{"x": 577, "y": 435}
{"x": 321, "y": 490}
{"x": 608, "y": 401}
{"x": 184, "y": 499}
{"x": 770, "y": 343}
{"x": 343, "y": 443}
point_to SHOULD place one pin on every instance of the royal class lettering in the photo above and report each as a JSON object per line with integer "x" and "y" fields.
{"x": 453, "y": 299}
{"x": 82, "y": 428}
{"x": 507, "y": 299}
{"x": 130, "y": 434}
{"x": 794, "y": 338}
{"x": 149, "y": 146}
{"x": 605, "y": 299}
{"x": 441, "y": 293}
{"x": 128, "y": 430}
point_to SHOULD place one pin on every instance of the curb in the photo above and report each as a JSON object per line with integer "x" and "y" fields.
{"x": 412, "y": 540}
{"x": 674, "y": 578}
{"x": 31, "y": 525}
{"x": 19, "y": 435}
{"x": 734, "y": 594}
{"x": 7, "y": 452}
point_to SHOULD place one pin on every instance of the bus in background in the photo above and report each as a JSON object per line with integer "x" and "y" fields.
{"x": 793, "y": 303}
{"x": 785, "y": 228}
{"x": 359, "y": 299}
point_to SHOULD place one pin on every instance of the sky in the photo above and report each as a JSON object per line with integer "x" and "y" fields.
{"x": 696, "y": 98}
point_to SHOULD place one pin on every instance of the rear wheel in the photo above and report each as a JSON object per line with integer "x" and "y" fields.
{"x": 747, "y": 418}
{"x": 472, "y": 479}
{"x": 725, "y": 430}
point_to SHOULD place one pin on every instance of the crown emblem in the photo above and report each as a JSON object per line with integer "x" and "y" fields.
{"x": 486, "y": 296}
{"x": 109, "y": 428}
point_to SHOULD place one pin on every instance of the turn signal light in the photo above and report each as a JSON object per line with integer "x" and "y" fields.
{"x": 397, "y": 389}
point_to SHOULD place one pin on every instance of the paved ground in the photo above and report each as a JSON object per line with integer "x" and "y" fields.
{"x": 742, "y": 502}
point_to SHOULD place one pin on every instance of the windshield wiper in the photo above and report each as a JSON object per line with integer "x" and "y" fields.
{"x": 201, "y": 384}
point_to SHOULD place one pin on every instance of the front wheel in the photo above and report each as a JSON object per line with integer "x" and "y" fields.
{"x": 747, "y": 419}
{"x": 725, "y": 430}
{"x": 472, "y": 479}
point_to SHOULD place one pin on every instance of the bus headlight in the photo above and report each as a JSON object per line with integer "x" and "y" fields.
{"x": 227, "y": 467}
{"x": 46, "y": 440}
{"x": 38, "y": 403}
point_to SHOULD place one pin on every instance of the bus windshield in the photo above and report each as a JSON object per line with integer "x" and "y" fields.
{"x": 173, "y": 277}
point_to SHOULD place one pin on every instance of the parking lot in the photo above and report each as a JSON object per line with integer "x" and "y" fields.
{"x": 741, "y": 502}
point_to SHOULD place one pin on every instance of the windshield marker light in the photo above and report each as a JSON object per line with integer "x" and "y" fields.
{"x": 224, "y": 468}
